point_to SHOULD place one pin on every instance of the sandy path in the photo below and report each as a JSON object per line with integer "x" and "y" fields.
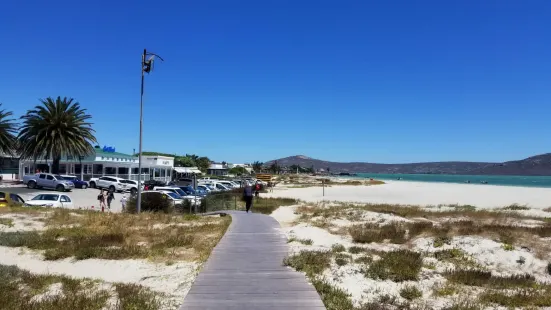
{"x": 424, "y": 193}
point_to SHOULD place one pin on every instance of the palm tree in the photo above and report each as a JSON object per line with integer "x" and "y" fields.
{"x": 8, "y": 130}
{"x": 59, "y": 127}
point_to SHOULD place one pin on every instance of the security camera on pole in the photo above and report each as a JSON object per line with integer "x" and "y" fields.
{"x": 147, "y": 66}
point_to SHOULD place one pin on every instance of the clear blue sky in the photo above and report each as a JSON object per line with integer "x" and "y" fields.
{"x": 377, "y": 81}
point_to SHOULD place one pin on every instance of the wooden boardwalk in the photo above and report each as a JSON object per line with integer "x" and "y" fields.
{"x": 245, "y": 271}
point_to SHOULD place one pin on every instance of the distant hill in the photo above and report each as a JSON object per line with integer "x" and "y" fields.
{"x": 533, "y": 166}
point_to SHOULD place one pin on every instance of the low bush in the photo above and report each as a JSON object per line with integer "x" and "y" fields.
{"x": 356, "y": 249}
{"x": 369, "y": 232}
{"x": 342, "y": 259}
{"x": 410, "y": 292}
{"x": 473, "y": 277}
{"x": 398, "y": 266}
{"x": 310, "y": 262}
{"x": 518, "y": 298}
{"x": 336, "y": 248}
{"x": 151, "y": 202}
{"x": 332, "y": 297}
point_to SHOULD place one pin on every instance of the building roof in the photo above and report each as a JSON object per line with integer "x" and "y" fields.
{"x": 187, "y": 170}
{"x": 101, "y": 153}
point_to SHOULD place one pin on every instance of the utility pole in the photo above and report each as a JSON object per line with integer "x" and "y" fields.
{"x": 147, "y": 66}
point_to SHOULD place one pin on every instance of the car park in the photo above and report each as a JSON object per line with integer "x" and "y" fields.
{"x": 7, "y": 199}
{"x": 179, "y": 192}
{"x": 76, "y": 181}
{"x": 48, "y": 180}
{"x": 50, "y": 200}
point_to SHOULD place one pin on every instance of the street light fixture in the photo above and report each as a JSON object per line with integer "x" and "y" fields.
{"x": 147, "y": 66}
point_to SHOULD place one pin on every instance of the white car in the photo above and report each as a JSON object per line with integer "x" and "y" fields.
{"x": 218, "y": 186}
{"x": 113, "y": 184}
{"x": 178, "y": 191}
{"x": 132, "y": 186}
{"x": 50, "y": 200}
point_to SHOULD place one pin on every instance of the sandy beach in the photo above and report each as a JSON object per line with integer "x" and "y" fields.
{"x": 424, "y": 193}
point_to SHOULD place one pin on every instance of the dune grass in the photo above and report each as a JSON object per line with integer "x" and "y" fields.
{"x": 22, "y": 290}
{"x": 89, "y": 234}
{"x": 397, "y": 266}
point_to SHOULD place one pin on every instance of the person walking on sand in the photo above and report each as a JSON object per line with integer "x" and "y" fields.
{"x": 257, "y": 189}
{"x": 110, "y": 197}
{"x": 248, "y": 195}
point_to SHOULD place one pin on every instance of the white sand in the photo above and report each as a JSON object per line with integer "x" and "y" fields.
{"x": 424, "y": 193}
{"x": 174, "y": 280}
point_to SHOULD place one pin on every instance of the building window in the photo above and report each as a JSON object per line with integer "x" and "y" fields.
{"x": 123, "y": 171}
{"x": 88, "y": 169}
{"x": 110, "y": 170}
{"x": 98, "y": 169}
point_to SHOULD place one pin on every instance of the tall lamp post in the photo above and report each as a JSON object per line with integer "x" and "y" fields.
{"x": 147, "y": 66}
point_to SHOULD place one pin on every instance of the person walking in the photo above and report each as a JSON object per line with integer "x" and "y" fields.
{"x": 101, "y": 199}
{"x": 248, "y": 195}
{"x": 123, "y": 202}
{"x": 257, "y": 189}
{"x": 110, "y": 197}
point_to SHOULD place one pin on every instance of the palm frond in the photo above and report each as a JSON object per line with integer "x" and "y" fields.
{"x": 56, "y": 128}
{"x": 8, "y": 131}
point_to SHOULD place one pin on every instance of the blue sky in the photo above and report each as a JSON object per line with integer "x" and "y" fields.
{"x": 377, "y": 81}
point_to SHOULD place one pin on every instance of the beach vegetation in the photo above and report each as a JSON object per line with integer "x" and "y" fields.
{"x": 482, "y": 278}
{"x": 303, "y": 241}
{"x": 310, "y": 262}
{"x": 336, "y": 248}
{"x": 369, "y": 232}
{"x": 6, "y": 222}
{"x": 398, "y": 266}
{"x": 446, "y": 290}
{"x": 549, "y": 268}
{"x": 356, "y": 250}
{"x": 22, "y": 290}
{"x": 89, "y": 234}
{"x": 463, "y": 305}
{"x": 55, "y": 128}
{"x": 526, "y": 297}
{"x": 342, "y": 259}
{"x": 442, "y": 240}
{"x": 364, "y": 259}
{"x": 332, "y": 297}
{"x": 410, "y": 292}
{"x": 516, "y": 207}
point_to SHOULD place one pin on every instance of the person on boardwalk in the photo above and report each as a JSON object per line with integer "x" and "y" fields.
{"x": 110, "y": 197}
{"x": 248, "y": 196}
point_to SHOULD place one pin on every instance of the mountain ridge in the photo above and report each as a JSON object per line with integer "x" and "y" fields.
{"x": 538, "y": 165}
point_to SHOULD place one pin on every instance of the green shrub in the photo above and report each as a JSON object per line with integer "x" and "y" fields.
{"x": 151, "y": 202}
{"x": 310, "y": 262}
{"x": 333, "y": 298}
{"x": 398, "y": 266}
{"x": 410, "y": 292}
{"x": 336, "y": 248}
{"x": 356, "y": 249}
{"x": 369, "y": 232}
{"x": 483, "y": 278}
{"x": 342, "y": 259}
{"x": 441, "y": 240}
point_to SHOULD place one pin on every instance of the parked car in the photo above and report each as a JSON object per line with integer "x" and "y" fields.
{"x": 113, "y": 184}
{"x": 180, "y": 193}
{"x": 218, "y": 186}
{"x": 153, "y": 183}
{"x": 51, "y": 201}
{"x": 48, "y": 180}
{"x": 174, "y": 198}
{"x": 132, "y": 186}
{"x": 203, "y": 187}
{"x": 78, "y": 183}
{"x": 10, "y": 198}
{"x": 192, "y": 192}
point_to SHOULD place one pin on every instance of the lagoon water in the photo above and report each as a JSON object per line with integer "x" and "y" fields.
{"x": 528, "y": 181}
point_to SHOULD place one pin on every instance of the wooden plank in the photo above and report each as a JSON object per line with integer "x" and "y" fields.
{"x": 245, "y": 271}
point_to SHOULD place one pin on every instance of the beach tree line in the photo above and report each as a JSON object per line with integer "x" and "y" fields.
{"x": 54, "y": 128}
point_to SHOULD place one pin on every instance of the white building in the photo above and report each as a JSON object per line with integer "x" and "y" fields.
{"x": 217, "y": 169}
{"x": 106, "y": 163}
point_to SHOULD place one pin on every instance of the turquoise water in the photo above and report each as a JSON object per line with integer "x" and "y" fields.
{"x": 528, "y": 181}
